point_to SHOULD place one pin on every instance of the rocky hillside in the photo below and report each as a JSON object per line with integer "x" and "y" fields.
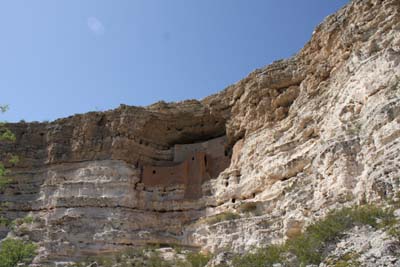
{"x": 306, "y": 135}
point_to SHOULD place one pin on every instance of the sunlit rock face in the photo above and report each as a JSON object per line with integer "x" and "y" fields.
{"x": 303, "y": 135}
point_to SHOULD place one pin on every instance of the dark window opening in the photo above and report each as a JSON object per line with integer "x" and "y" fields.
{"x": 233, "y": 200}
{"x": 192, "y": 158}
{"x": 205, "y": 160}
{"x": 154, "y": 171}
{"x": 226, "y": 153}
{"x": 254, "y": 195}
{"x": 227, "y": 184}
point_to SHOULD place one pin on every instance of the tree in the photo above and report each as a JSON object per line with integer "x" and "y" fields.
{"x": 14, "y": 252}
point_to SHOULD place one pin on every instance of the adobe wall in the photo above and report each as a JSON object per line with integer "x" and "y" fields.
{"x": 194, "y": 164}
{"x": 192, "y": 173}
{"x": 197, "y": 174}
{"x": 165, "y": 176}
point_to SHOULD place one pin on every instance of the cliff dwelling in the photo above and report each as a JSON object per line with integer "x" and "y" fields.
{"x": 192, "y": 165}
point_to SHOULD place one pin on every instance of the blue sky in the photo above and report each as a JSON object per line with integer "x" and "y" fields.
{"x": 58, "y": 58}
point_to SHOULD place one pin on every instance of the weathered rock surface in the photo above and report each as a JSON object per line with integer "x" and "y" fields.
{"x": 305, "y": 135}
{"x": 367, "y": 247}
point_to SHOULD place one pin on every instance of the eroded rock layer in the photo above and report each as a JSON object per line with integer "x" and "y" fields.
{"x": 303, "y": 136}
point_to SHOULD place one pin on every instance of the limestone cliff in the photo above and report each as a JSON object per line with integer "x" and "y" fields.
{"x": 303, "y": 135}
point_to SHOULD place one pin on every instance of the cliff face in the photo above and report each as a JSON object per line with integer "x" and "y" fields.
{"x": 90, "y": 180}
{"x": 303, "y": 136}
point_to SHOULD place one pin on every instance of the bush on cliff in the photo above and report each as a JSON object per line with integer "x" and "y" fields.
{"x": 197, "y": 259}
{"x": 14, "y": 252}
{"x": 308, "y": 247}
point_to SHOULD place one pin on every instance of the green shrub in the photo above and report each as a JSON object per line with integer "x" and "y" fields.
{"x": 395, "y": 232}
{"x": 20, "y": 221}
{"x": 28, "y": 220}
{"x": 224, "y": 216}
{"x": 154, "y": 260}
{"x": 4, "y": 221}
{"x": 373, "y": 215}
{"x": 4, "y": 180}
{"x": 104, "y": 261}
{"x": 14, "y": 251}
{"x": 143, "y": 257}
{"x": 261, "y": 257}
{"x": 198, "y": 259}
{"x": 309, "y": 246}
{"x": 349, "y": 259}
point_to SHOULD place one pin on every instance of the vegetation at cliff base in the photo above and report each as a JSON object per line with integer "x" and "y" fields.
{"x": 308, "y": 247}
{"x": 15, "y": 251}
{"x": 196, "y": 260}
{"x": 147, "y": 257}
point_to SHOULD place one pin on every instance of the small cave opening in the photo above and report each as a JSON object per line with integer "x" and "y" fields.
{"x": 233, "y": 200}
{"x": 154, "y": 171}
{"x": 228, "y": 151}
{"x": 226, "y": 184}
{"x": 102, "y": 121}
